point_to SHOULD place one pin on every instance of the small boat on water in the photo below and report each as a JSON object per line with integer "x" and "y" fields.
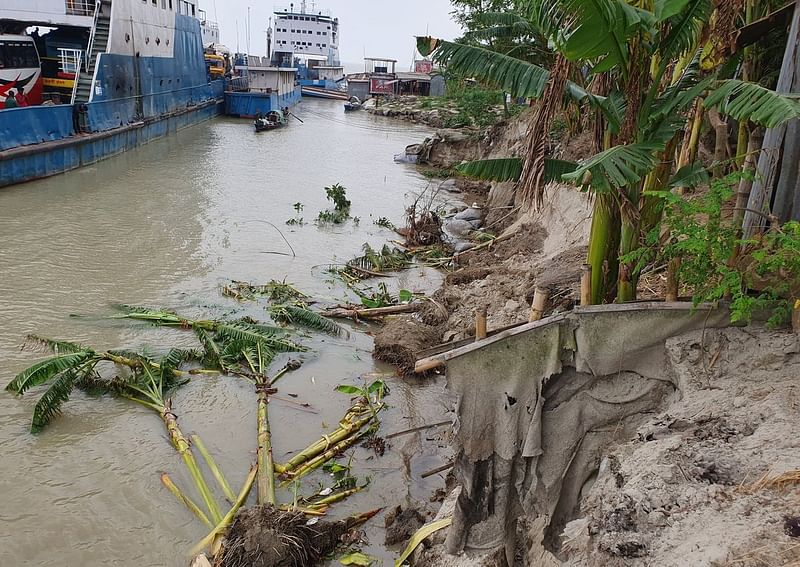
{"x": 353, "y": 104}
{"x": 270, "y": 121}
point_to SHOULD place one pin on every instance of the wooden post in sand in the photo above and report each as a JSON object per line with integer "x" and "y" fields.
{"x": 796, "y": 316}
{"x": 586, "y": 284}
{"x": 540, "y": 296}
{"x": 480, "y": 323}
{"x": 672, "y": 279}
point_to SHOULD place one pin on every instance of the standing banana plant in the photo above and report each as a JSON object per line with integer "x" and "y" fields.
{"x": 651, "y": 55}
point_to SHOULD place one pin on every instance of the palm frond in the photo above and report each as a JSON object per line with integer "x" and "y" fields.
{"x": 499, "y": 25}
{"x": 49, "y": 405}
{"x": 750, "y": 101}
{"x": 510, "y": 169}
{"x": 386, "y": 260}
{"x": 685, "y": 28}
{"x": 501, "y": 169}
{"x": 690, "y": 175}
{"x": 45, "y": 370}
{"x": 55, "y": 346}
{"x": 211, "y": 348}
{"x": 304, "y": 317}
{"x": 520, "y": 78}
{"x": 156, "y": 316}
{"x": 258, "y": 334}
{"x": 597, "y": 30}
{"x": 618, "y": 166}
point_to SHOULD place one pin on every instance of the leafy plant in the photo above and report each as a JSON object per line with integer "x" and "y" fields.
{"x": 386, "y": 259}
{"x": 297, "y": 220}
{"x": 299, "y": 314}
{"x": 337, "y": 194}
{"x": 384, "y": 223}
{"x": 715, "y": 263}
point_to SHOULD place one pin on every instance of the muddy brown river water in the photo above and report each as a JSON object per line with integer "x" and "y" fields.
{"x": 167, "y": 225}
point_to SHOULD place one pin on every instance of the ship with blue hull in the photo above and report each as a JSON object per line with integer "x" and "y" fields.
{"x": 261, "y": 88}
{"x": 308, "y": 41}
{"x": 120, "y": 74}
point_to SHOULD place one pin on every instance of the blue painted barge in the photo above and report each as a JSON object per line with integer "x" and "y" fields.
{"x": 267, "y": 88}
{"x": 140, "y": 75}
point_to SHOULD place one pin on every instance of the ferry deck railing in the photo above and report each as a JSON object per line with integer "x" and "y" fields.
{"x": 90, "y": 46}
{"x": 237, "y": 85}
{"x": 81, "y": 7}
{"x": 70, "y": 62}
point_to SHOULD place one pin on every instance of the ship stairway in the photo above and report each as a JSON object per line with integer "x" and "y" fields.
{"x": 98, "y": 44}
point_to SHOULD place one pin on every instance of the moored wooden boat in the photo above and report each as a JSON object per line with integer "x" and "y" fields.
{"x": 272, "y": 120}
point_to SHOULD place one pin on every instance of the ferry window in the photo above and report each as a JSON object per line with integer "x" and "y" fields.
{"x": 170, "y": 4}
{"x": 18, "y": 55}
{"x": 193, "y": 13}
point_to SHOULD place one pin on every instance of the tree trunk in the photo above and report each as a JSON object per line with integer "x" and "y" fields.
{"x": 182, "y": 445}
{"x": 530, "y": 191}
{"x": 266, "y": 466}
{"x": 604, "y": 247}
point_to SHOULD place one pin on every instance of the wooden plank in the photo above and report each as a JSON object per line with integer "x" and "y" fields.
{"x": 761, "y": 194}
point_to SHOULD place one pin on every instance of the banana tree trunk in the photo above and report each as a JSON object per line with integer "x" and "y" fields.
{"x": 603, "y": 247}
{"x": 530, "y": 191}
{"x": 266, "y": 464}
{"x": 629, "y": 241}
{"x": 182, "y": 445}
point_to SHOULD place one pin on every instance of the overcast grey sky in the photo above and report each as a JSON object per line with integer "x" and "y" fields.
{"x": 381, "y": 28}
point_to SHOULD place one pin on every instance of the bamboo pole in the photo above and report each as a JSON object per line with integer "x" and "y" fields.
{"x": 586, "y": 284}
{"x": 480, "y": 323}
{"x": 672, "y": 279}
{"x": 540, "y": 296}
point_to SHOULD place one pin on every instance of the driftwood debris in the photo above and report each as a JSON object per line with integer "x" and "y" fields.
{"x": 353, "y": 312}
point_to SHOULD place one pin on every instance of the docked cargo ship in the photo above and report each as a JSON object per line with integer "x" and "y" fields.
{"x": 308, "y": 41}
{"x": 105, "y": 77}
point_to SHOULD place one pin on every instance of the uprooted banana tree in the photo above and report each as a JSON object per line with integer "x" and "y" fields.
{"x": 243, "y": 348}
{"x": 147, "y": 381}
{"x": 653, "y": 65}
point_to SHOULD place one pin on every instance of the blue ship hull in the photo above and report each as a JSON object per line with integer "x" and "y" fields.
{"x": 249, "y": 104}
{"x": 135, "y": 100}
{"x": 36, "y": 161}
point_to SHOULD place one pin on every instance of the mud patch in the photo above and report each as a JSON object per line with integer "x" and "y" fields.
{"x": 399, "y": 341}
{"x": 401, "y": 523}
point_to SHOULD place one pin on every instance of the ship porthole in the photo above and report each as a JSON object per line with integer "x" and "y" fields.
{"x": 127, "y": 38}
{"x": 147, "y": 41}
{"x": 158, "y": 41}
